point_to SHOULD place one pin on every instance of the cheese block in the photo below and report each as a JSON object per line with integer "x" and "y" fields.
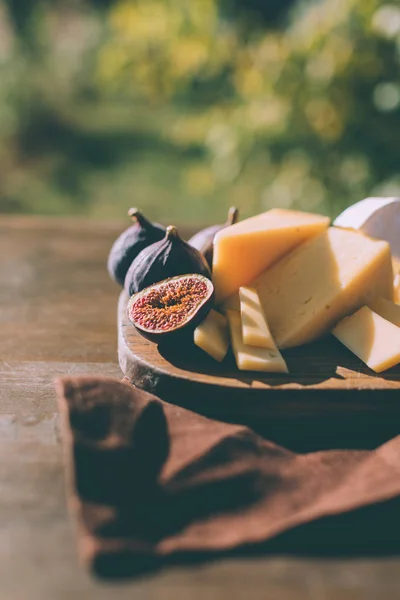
{"x": 244, "y": 250}
{"x": 396, "y": 265}
{"x": 370, "y": 337}
{"x": 396, "y": 284}
{"x": 255, "y": 330}
{"x": 377, "y": 217}
{"x": 231, "y": 303}
{"x": 212, "y": 335}
{"x": 249, "y": 358}
{"x": 387, "y": 310}
{"x": 325, "y": 279}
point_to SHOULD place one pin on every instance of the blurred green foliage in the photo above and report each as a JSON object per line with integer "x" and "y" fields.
{"x": 185, "y": 107}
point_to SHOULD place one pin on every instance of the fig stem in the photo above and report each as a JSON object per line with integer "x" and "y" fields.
{"x": 233, "y": 215}
{"x": 171, "y": 232}
{"x": 136, "y": 215}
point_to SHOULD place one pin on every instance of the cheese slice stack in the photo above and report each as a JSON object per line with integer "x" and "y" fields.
{"x": 255, "y": 330}
{"x": 249, "y": 358}
{"x": 212, "y": 335}
{"x": 244, "y": 250}
{"x": 370, "y": 337}
{"x": 325, "y": 279}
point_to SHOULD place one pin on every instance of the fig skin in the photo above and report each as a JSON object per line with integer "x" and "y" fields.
{"x": 130, "y": 243}
{"x": 203, "y": 240}
{"x": 183, "y": 333}
{"x": 170, "y": 257}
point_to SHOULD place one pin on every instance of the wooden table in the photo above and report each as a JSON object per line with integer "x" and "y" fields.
{"x": 57, "y": 316}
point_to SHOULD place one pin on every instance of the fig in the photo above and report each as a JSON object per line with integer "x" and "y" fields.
{"x": 130, "y": 243}
{"x": 204, "y": 239}
{"x": 167, "y": 258}
{"x": 171, "y": 308}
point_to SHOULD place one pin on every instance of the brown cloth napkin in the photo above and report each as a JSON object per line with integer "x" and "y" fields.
{"x": 151, "y": 481}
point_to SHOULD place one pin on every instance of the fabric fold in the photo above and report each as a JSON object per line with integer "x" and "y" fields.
{"x": 149, "y": 481}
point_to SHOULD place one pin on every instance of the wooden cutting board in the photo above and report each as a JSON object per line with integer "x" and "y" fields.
{"x": 329, "y": 392}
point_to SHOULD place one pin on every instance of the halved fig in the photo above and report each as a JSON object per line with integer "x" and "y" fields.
{"x": 172, "y": 307}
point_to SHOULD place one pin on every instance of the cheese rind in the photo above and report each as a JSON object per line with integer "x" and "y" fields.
{"x": 370, "y": 337}
{"x": 325, "y": 279}
{"x": 212, "y": 335}
{"x": 255, "y": 330}
{"x": 387, "y": 310}
{"x": 377, "y": 217}
{"x": 244, "y": 250}
{"x": 249, "y": 358}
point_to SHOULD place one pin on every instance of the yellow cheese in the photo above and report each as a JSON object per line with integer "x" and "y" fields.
{"x": 244, "y": 250}
{"x": 396, "y": 265}
{"x": 325, "y": 279}
{"x": 249, "y": 358}
{"x": 387, "y": 310}
{"x": 255, "y": 330}
{"x": 231, "y": 303}
{"x": 377, "y": 217}
{"x": 396, "y": 284}
{"x": 212, "y": 335}
{"x": 370, "y": 337}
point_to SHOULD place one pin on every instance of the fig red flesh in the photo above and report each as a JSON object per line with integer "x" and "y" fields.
{"x": 171, "y": 305}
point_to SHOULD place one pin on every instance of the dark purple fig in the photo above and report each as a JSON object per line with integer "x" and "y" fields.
{"x": 167, "y": 258}
{"x": 130, "y": 243}
{"x": 171, "y": 309}
{"x": 203, "y": 240}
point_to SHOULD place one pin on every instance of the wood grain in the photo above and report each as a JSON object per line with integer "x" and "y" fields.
{"x": 51, "y": 264}
{"x": 328, "y": 388}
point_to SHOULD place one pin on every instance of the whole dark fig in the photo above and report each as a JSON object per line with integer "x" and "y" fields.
{"x": 171, "y": 309}
{"x": 203, "y": 240}
{"x": 167, "y": 258}
{"x": 130, "y": 243}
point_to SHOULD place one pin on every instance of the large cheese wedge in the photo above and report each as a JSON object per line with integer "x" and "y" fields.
{"x": 212, "y": 335}
{"x": 370, "y": 337}
{"x": 249, "y": 358}
{"x": 377, "y": 217}
{"x": 255, "y": 330}
{"x": 244, "y": 250}
{"x": 306, "y": 293}
{"x": 396, "y": 285}
{"x": 386, "y": 309}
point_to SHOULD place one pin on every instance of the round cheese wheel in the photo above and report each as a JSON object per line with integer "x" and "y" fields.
{"x": 377, "y": 217}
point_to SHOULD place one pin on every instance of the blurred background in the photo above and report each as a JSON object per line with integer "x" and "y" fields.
{"x": 185, "y": 107}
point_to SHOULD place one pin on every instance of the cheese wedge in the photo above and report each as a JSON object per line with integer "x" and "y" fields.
{"x": 212, "y": 335}
{"x": 370, "y": 337}
{"x": 377, "y": 217}
{"x": 244, "y": 250}
{"x": 387, "y": 310}
{"x": 255, "y": 330}
{"x": 231, "y": 303}
{"x": 249, "y": 358}
{"x": 396, "y": 285}
{"x": 325, "y": 279}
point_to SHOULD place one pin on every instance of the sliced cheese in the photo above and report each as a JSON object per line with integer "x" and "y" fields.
{"x": 377, "y": 217}
{"x": 387, "y": 310}
{"x": 325, "y": 279}
{"x": 212, "y": 335}
{"x": 244, "y": 250}
{"x": 370, "y": 337}
{"x": 396, "y": 284}
{"x": 255, "y": 330}
{"x": 249, "y": 358}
